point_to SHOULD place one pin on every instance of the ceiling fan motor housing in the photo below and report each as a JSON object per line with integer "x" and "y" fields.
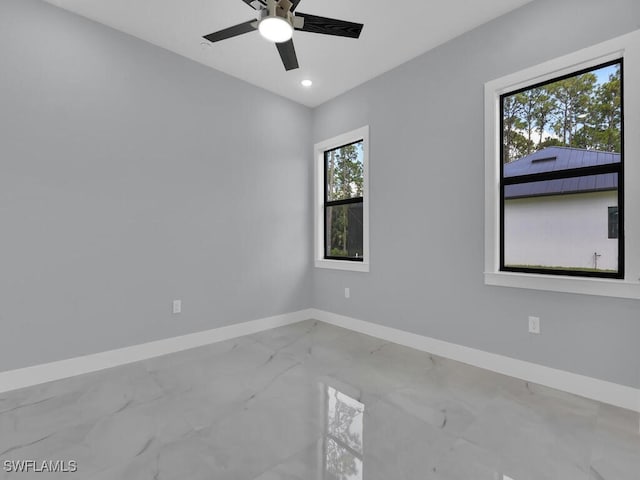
{"x": 281, "y": 9}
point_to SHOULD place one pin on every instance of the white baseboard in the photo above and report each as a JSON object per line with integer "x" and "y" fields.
{"x": 600, "y": 390}
{"x": 593, "y": 388}
{"x": 37, "y": 374}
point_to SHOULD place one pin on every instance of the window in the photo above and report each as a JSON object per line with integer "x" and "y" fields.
{"x": 556, "y": 159}
{"x": 562, "y": 162}
{"x": 343, "y": 184}
{"x": 342, "y": 239}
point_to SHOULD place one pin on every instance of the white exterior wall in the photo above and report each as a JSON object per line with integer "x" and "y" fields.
{"x": 560, "y": 230}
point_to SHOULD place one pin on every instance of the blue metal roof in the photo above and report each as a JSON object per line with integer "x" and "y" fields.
{"x": 554, "y": 159}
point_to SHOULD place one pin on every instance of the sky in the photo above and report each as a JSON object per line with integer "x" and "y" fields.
{"x": 603, "y": 73}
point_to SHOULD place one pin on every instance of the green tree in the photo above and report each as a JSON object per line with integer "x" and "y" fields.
{"x": 550, "y": 142}
{"x": 515, "y": 144}
{"x": 533, "y": 112}
{"x": 542, "y": 112}
{"x": 572, "y": 97}
{"x": 603, "y": 128}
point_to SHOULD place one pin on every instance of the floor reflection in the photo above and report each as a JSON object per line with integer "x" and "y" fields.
{"x": 289, "y": 404}
{"x": 343, "y": 440}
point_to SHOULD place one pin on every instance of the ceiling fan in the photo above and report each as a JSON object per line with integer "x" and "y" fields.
{"x": 276, "y": 21}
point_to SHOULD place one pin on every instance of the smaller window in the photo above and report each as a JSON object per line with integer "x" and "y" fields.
{"x": 342, "y": 239}
{"x": 613, "y": 222}
{"x": 344, "y": 182}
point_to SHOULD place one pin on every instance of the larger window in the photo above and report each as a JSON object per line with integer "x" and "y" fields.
{"x": 562, "y": 165}
{"x": 342, "y": 239}
{"x": 561, "y": 177}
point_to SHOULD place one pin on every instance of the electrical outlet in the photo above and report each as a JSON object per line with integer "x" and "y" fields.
{"x": 347, "y": 292}
{"x": 534, "y": 325}
{"x": 177, "y": 306}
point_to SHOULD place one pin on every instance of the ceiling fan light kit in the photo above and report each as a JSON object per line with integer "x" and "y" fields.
{"x": 275, "y": 29}
{"x": 276, "y": 22}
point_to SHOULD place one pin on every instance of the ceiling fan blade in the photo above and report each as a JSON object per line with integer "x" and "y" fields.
{"x": 330, "y": 26}
{"x": 254, "y": 3}
{"x": 234, "y": 31}
{"x": 288, "y": 55}
{"x": 294, "y": 4}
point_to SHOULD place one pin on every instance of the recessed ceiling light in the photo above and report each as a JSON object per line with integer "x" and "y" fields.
{"x": 306, "y": 83}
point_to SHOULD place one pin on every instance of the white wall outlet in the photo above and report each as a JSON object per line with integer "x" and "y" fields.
{"x": 347, "y": 292}
{"x": 177, "y": 306}
{"x": 534, "y": 325}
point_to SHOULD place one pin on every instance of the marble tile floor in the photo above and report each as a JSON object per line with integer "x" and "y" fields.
{"x": 311, "y": 401}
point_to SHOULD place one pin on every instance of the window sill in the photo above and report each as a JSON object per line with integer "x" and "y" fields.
{"x": 555, "y": 283}
{"x": 343, "y": 265}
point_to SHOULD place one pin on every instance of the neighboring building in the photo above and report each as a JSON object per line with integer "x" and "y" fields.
{"x": 571, "y": 223}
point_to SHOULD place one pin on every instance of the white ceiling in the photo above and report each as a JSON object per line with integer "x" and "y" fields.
{"x": 394, "y": 32}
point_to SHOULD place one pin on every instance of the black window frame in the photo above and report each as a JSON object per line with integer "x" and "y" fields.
{"x": 617, "y": 168}
{"x": 335, "y": 203}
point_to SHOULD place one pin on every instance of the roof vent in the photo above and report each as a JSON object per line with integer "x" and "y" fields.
{"x": 546, "y": 159}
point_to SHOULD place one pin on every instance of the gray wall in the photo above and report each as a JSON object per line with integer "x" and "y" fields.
{"x": 427, "y": 200}
{"x": 130, "y": 176}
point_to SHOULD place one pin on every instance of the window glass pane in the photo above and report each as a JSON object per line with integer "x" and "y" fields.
{"x": 561, "y": 224}
{"x": 583, "y": 111}
{"x": 344, "y": 231}
{"x": 344, "y": 171}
